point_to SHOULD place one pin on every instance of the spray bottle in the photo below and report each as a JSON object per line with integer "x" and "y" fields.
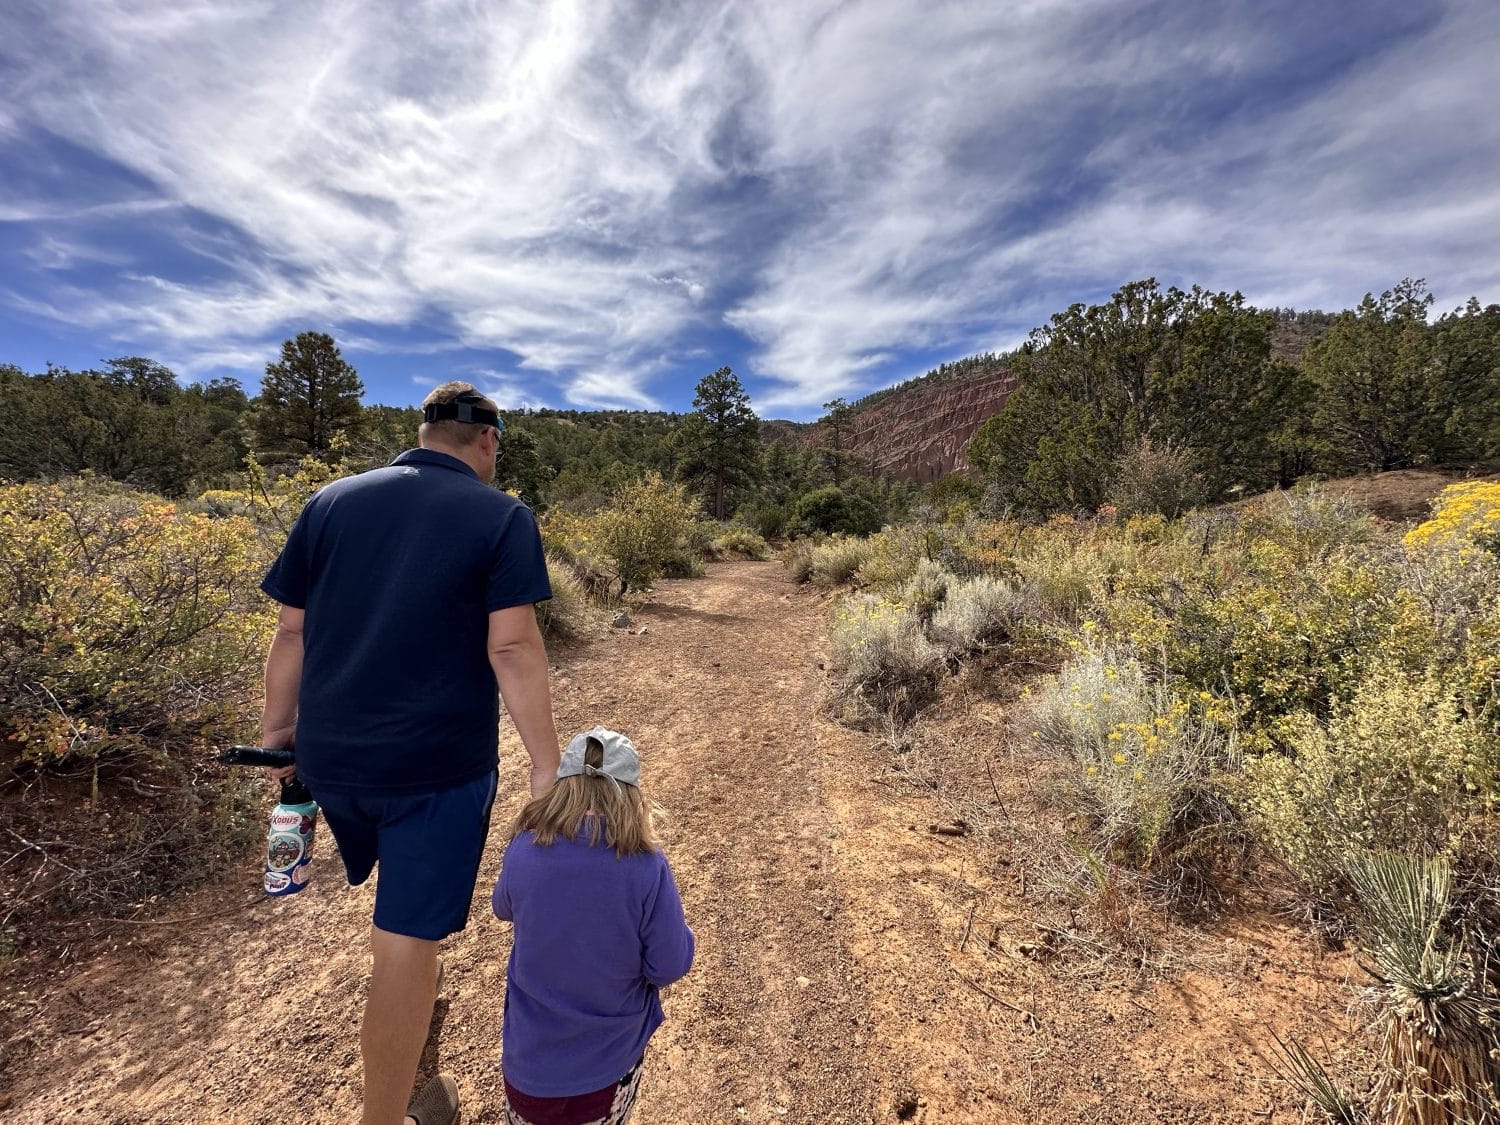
{"x": 289, "y": 842}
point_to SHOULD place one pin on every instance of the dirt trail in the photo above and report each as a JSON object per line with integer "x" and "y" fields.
{"x": 852, "y": 967}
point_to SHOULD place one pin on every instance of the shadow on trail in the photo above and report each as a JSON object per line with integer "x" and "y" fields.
{"x": 676, "y": 612}
{"x": 432, "y": 1050}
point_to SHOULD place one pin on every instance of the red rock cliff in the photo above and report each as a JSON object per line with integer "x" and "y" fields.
{"x": 920, "y": 432}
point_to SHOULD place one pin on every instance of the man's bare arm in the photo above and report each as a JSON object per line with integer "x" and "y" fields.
{"x": 519, "y": 659}
{"x": 278, "y": 718}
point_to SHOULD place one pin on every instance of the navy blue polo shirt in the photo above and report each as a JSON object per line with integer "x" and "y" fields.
{"x": 398, "y": 570}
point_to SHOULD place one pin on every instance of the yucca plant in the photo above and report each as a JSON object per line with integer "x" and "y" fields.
{"x": 1294, "y": 1064}
{"x": 1439, "y": 1065}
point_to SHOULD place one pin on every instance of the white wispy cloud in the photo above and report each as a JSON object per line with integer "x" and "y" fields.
{"x": 602, "y": 188}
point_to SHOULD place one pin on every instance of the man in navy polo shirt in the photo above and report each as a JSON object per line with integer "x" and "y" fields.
{"x": 407, "y": 594}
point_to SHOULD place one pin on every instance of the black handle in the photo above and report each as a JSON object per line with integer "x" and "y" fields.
{"x": 257, "y": 756}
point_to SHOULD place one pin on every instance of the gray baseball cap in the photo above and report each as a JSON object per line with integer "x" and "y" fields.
{"x": 621, "y": 762}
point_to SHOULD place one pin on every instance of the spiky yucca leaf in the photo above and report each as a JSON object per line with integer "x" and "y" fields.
{"x": 1294, "y": 1064}
{"x": 1405, "y": 900}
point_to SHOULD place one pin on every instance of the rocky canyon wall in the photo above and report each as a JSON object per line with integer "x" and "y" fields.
{"x": 920, "y": 433}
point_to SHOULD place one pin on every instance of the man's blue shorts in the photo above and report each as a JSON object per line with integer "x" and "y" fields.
{"x": 428, "y": 846}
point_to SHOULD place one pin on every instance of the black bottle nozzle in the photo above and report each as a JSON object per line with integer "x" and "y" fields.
{"x": 257, "y": 756}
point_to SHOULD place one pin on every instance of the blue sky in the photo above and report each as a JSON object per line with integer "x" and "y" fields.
{"x": 594, "y": 203}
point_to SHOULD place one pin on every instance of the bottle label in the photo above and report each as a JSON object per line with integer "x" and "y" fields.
{"x": 286, "y": 820}
{"x": 283, "y": 851}
{"x": 288, "y": 849}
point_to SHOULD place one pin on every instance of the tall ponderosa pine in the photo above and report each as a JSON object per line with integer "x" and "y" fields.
{"x": 307, "y": 398}
{"x": 835, "y": 447}
{"x": 719, "y": 443}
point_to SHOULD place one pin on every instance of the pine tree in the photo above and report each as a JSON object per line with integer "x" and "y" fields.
{"x": 307, "y": 398}
{"x": 836, "y": 455}
{"x": 719, "y": 443}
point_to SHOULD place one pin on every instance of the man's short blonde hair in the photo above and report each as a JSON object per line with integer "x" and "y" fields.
{"x": 449, "y": 432}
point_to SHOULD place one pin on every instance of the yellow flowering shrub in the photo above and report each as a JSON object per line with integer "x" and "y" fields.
{"x": 1276, "y": 634}
{"x": 1399, "y": 768}
{"x": 1467, "y": 513}
{"x": 127, "y": 624}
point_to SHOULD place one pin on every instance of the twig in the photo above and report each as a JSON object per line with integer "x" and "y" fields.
{"x": 968, "y": 927}
{"x": 995, "y": 789}
{"x": 1029, "y": 1016}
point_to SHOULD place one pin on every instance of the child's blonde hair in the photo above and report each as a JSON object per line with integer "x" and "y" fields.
{"x": 621, "y": 813}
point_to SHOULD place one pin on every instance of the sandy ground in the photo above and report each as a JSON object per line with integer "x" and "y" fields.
{"x": 853, "y": 965}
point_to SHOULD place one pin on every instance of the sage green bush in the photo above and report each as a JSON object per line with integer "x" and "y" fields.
{"x": 976, "y": 613}
{"x": 1141, "y": 758}
{"x": 926, "y": 588}
{"x": 835, "y": 561}
{"x": 887, "y": 668}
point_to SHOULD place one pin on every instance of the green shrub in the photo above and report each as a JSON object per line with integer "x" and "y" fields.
{"x": 834, "y": 512}
{"x": 771, "y": 521}
{"x": 925, "y": 590}
{"x": 683, "y": 564}
{"x": 698, "y": 539}
{"x": 132, "y": 637}
{"x": 976, "y": 612}
{"x": 1157, "y": 478}
{"x": 1140, "y": 759}
{"x": 124, "y": 625}
{"x": 1397, "y": 769}
{"x": 887, "y": 667}
{"x": 741, "y": 541}
{"x": 797, "y": 557}
{"x": 835, "y": 561}
{"x": 643, "y": 528}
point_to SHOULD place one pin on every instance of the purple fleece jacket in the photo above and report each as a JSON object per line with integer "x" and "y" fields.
{"x": 595, "y": 937}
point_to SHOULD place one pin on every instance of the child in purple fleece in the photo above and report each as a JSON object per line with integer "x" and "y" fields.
{"x": 599, "y": 930}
